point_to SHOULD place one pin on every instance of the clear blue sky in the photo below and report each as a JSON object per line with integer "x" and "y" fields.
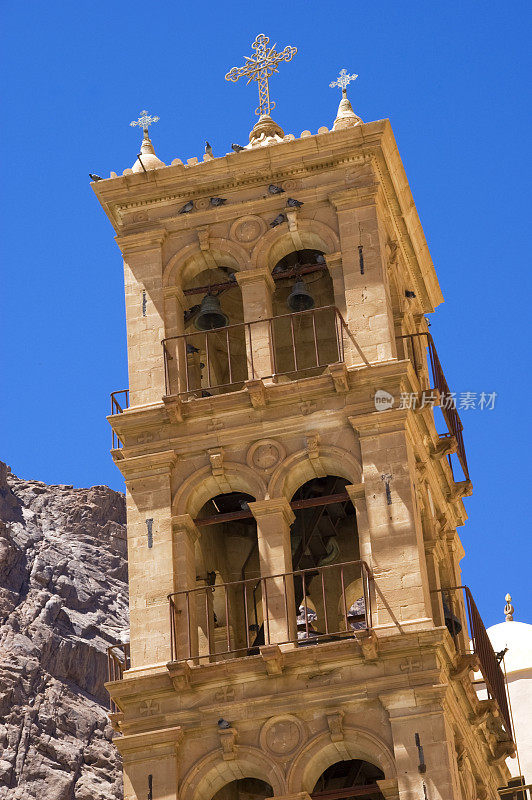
{"x": 453, "y": 78}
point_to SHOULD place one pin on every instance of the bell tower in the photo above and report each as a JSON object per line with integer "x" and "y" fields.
{"x": 295, "y": 472}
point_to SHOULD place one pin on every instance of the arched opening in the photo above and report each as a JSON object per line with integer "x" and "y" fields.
{"x": 214, "y": 341}
{"x": 330, "y": 583}
{"x": 227, "y": 598}
{"x": 347, "y": 779}
{"x": 244, "y": 789}
{"x": 306, "y": 334}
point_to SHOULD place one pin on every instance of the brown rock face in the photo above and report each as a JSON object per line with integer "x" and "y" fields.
{"x": 63, "y": 601}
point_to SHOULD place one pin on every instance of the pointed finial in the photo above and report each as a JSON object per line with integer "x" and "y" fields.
{"x": 346, "y": 117}
{"x": 509, "y": 609}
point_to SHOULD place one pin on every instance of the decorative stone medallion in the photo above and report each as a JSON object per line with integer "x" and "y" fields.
{"x": 265, "y": 454}
{"x": 281, "y": 736}
{"x": 247, "y": 229}
{"x": 202, "y": 204}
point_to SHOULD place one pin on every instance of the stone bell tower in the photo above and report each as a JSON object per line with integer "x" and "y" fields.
{"x": 295, "y": 472}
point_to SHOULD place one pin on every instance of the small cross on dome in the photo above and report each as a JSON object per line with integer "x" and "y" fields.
{"x": 343, "y": 80}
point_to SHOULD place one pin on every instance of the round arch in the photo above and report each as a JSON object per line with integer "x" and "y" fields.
{"x": 320, "y": 753}
{"x": 310, "y": 235}
{"x": 212, "y": 773}
{"x": 201, "y": 486}
{"x": 298, "y": 468}
{"x": 191, "y": 260}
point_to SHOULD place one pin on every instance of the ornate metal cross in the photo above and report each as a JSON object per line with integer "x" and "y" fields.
{"x": 261, "y": 66}
{"x": 144, "y": 121}
{"x": 343, "y": 80}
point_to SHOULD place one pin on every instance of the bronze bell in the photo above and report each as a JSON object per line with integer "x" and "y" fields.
{"x": 210, "y": 314}
{"x": 300, "y": 299}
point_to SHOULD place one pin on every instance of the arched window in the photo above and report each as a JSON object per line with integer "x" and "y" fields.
{"x": 215, "y": 345}
{"x": 330, "y": 585}
{"x": 305, "y": 332}
{"x": 227, "y": 595}
{"x": 244, "y": 789}
{"x": 349, "y": 779}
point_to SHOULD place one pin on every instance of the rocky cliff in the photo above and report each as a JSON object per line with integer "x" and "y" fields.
{"x": 63, "y": 600}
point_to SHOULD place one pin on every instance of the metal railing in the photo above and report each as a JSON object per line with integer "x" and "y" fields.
{"x": 222, "y": 359}
{"x": 520, "y": 791}
{"x": 448, "y": 405}
{"x": 461, "y": 608}
{"x": 118, "y": 407}
{"x": 118, "y": 660}
{"x": 305, "y": 606}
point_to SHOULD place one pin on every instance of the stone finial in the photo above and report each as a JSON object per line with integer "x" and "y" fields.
{"x": 345, "y": 117}
{"x": 265, "y": 131}
{"x": 508, "y": 609}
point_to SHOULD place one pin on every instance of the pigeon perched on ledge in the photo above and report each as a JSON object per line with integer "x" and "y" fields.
{"x": 208, "y": 149}
{"x": 273, "y": 189}
{"x": 187, "y": 208}
{"x": 237, "y": 148}
{"x": 218, "y": 201}
{"x": 279, "y": 219}
{"x": 294, "y": 203}
{"x": 95, "y": 177}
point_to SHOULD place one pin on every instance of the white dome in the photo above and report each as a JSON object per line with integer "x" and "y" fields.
{"x": 517, "y": 637}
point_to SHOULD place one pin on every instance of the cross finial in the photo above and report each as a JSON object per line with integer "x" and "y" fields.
{"x": 261, "y": 66}
{"x": 343, "y": 80}
{"x": 144, "y": 121}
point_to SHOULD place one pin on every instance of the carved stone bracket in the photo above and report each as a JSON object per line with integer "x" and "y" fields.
{"x": 464, "y": 663}
{"x": 174, "y": 409}
{"x": 445, "y": 447}
{"x": 179, "y": 675}
{"x": 273, "y": 657}
{"x": 228, "y": 742}
{"x": 216, "y": 457}
{"x": 335, "y": 721}
{"x": 257, "y": 393}
{"x": 313, "y": 451}
{"x": 461, "y": 489}
{"x": 370, "y": 648}
{"x": 339, "y": 374}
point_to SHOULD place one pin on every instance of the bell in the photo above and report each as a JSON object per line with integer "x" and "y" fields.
{"x": 453, "y": 624}
{"x": 300, "y": 299}
{"x": 210, "y": 315}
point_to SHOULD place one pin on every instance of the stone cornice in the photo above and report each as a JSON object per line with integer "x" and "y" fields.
{"x": 273, "y": 506}
{"x": 147, "y": 465}
{"x": 151, "y": 239}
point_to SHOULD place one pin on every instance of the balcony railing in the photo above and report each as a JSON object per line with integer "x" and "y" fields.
{"x": 119, "y": 402}
{"x": 118, "y": 660}
{"x": 415, "y": 350}
{"x": 201, "y": 363}
{"x": 516, "y": 790}
{"x": 305, "y": 607}
{"x": 459, "y": 606}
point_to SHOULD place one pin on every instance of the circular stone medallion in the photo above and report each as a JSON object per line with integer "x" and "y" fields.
{"x": 247, "y": 229}
{"x": 265, "y": 454}
{"x": 281, "y": 736}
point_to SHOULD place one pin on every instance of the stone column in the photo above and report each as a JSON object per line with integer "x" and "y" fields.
{"x": 185, "y": 536}
{"x": 151, "y": 555}
{"x": 274, "y": 518}
{"x": 257, "y": 289}
{"x": 422, "y": 712}
{"x": 145, "y": 314}
{"x": 402, "y": 598}
{"x": 369, "y": 312}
